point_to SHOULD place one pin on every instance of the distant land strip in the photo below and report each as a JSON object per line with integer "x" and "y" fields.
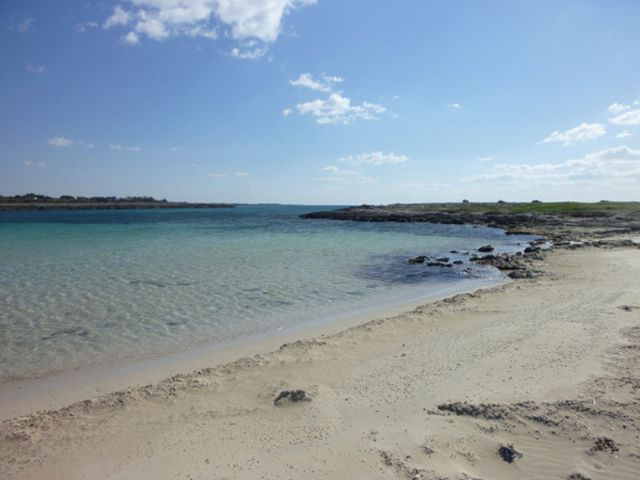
{"x": 551, "y": 219}
{"x": 32, "y": 201}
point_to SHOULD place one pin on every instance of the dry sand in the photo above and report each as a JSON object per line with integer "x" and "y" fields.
{"x": 548, "y": 365}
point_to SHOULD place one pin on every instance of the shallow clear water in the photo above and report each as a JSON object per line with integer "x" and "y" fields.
{"x": 81, "y": 288}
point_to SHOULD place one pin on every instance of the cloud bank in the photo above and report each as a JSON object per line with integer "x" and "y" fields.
{"x": 374, "y": 158}
{"x": 581, "y": 133}
{"x": 242, "y": 20}
{"x": 604, "y": 167}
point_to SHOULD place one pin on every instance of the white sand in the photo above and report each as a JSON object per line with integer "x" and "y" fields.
{"x": 376, "y": 388}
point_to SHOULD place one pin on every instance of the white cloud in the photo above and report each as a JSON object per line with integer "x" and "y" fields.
{"x": 340, "y": 171}
{"x": 324, "y": 85}
{"x": 455, "y": 106}
{"x": 624, "y": 134}
{"x": 339, "y": 175}
{"x": 119, "y": 17}
{"x": 30, "y": 164}
{"x": 259, "y": 20}
{"x": 83, "y": 27}
{"x": 489, "y": 158}
{"x": 581, "y": 133}
{"x": 151, "y": 26}
{"x": 85, "y": 144}
{"x": 250, "y": 52}
{"x": 60, "y": 142}
{"x": 625, "y": 114}
{"x": 605, "y": 167}
{"x": 242, "y": 174}
{"x": 256, "y": 18}
{"x": 216, "y": 175}
{"x": 124, "y": 148}
{"x": 631, "y": 117}
{"x": 35, "y": 69}
{"x": 177, "y": 148}
{"x": 67, "y": 142}
{"x": 374, "y": 158}
{"x": 618, "y": 107}
{"x": 26, "y": 25}
{"x": 202, "y": 31}
{"x": 337, "y": 109}
{"x": 130, "y": 38}
{"x": 287, "y": 111}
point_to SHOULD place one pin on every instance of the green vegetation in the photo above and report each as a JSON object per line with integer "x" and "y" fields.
{"x": 33, "y": 201}
{"x": 573, "y": 209}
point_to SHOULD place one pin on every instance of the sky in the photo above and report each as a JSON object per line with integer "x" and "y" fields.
{"x": 321, "y": 101}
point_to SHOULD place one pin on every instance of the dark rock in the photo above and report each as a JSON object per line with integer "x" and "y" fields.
{"x": 578, "y": 476}
{"x": 488, "y": 411}
{"x": 614, "y": 243}
{"x": 439, "y": 264}
{"x": 587, "y": 408}
{"x": 519, "y": 274}
{"x": 386, "y": 458}
{"x": 605, "y": 444}
{"x": 627, "y": 308}
{"x": 292, "y": 396}
{"x": 418, "y": 259}
{"x": 508, "y": 453}
{"x": 486, "y": 248}
{"x": 428, "y": 450}
{"x": 503, "y": 261}
{"x": 443, "y": 259}
{"x": 458, "y": 262}
{"x": 454, "y": 251}
{"x": 543, "y": 420}
{"x": 531, "y": 249}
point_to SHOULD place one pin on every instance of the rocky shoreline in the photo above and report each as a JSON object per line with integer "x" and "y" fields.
{"x": 559, "y": 227}
{"x": 553, "y": 229}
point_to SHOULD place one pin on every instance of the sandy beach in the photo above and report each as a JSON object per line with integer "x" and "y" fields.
{"x": 547, "y": 366}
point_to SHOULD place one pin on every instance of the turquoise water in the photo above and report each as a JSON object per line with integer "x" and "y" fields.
{"x": 82, "y": 288}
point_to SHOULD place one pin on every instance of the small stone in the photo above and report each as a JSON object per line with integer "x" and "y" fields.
{"x": 605, "y": 444}
{"x": 508, "y": 453}
{"x": 418, "y": 259}
{"x": 292, "y": 396}
{"x": 578, "y": 476}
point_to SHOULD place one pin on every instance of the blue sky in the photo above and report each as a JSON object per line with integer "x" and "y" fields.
{"x": 321, "y": 102}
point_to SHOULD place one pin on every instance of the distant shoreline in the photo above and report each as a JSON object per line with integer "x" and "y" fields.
{"x": 35, "y": 206}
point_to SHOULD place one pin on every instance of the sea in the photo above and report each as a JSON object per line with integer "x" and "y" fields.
{"x": 103, "y": 287}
